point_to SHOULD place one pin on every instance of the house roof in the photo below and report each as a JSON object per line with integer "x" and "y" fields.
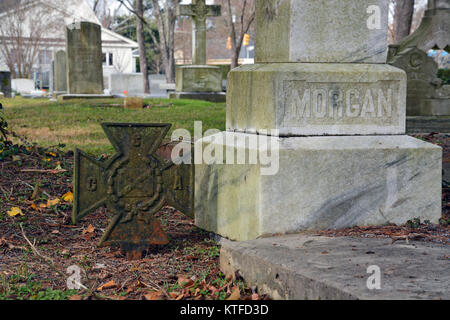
{"x": 77, "y": 10}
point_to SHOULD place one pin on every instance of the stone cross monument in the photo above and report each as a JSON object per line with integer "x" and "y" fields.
{"x": 199, "y": 81}
{"x": 198, "y": 10}
{"x": 316, "y": 130}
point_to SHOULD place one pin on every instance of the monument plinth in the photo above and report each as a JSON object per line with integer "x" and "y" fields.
{"x": 199, "y": 81}
{"x": 333, "y": 114}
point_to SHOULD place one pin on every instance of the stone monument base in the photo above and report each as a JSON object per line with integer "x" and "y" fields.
{"x": 198, "y": 78}
{"x": 440, "y": 124}
{"x": 429, "y": 107}
{"x": 321, "y": 183}
{"x": 305, "y": 267}
{"x": 207, "y": 96}
{"x": 69, "y": 96}
{"x": 199, "y": 82}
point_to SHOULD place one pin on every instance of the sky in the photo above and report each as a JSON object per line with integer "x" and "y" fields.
{"x": 115, "y": 4}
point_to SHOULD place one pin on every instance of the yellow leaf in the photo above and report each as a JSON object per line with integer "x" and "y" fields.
{"x": 235, "y": 295}
{"x": 52, "y": 154}
{"x": 35, "y": 207}
{"x": 68, "y": 197}
{"x": 43, "y": 206}
{"x": 15, "y": 212}
{"x": 51, "y": 203}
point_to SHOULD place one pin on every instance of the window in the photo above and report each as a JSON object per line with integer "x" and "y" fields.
{"x": 111, "y": 61}
{"x": 104, "y": 59}
{"x": 45, "y": 57}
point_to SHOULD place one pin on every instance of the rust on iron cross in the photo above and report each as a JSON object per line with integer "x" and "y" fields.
{"x": 134, "y": 185}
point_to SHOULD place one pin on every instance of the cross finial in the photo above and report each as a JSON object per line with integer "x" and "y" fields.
{"x": 198, "y": 10}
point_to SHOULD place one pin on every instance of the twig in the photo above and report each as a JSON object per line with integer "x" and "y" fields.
{"x": 49, "y": 262}
{"x": 411, "y": 236}
{"x": 53, "y": 171}
{"x": 30, "y": 186}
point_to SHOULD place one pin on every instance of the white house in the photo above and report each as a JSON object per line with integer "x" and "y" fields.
{"x": 117, "y": 50}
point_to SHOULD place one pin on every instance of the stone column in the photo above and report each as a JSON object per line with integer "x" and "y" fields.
{"x": 324, "y": 116}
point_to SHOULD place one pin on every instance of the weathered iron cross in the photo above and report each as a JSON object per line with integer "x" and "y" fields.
{"x": 134, "y": 185}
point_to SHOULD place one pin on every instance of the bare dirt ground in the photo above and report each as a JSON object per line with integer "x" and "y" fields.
{"x": 38, "y": 183}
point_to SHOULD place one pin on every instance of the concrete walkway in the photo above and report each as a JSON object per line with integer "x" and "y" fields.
{"x": 301, "y": 267}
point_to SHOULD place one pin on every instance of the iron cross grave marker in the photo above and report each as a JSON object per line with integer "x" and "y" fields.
{"x": 134, "y": 185}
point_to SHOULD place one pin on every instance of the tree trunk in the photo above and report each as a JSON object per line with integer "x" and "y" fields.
{"x": 141, "y": 42}
{"x": 404, "y": 11}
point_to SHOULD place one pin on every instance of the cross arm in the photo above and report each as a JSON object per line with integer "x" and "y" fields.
{"x": 89, "y": 187}
{"x": 190, "y": 10}
{"x": 178, "y": 182}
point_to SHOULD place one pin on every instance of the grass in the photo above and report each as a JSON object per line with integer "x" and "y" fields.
{"x": 22, "y": 286}
{"x": 76, "y": 123}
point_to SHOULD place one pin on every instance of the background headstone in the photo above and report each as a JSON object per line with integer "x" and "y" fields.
{"x": 60, "y": 78}
{"x": 23, "y": 86}
{"x": 84, "y": 58}
{"x": 131, "y": 82}
{"x": 5, "y": 83}
{"x": 427, "y": 94}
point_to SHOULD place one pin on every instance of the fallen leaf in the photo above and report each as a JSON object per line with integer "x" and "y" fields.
{"x": 68, "y": 197}
{"x": 43, "y": 206}
{"x": 15, "y": 212}
{"x": 108, "y": 285}
{"x": 174, "y": 295}
{"x": 35, "y": 207}
{"x": 75, "y": 298}
{"x": 255, "y": 297}
{"x": 153, "y": 296}
{"x": 89, "y": 229}
{"x": 212, "y": 289}
{"x": 185, "y": 282}
{"x": 55, "y": 232}
{"x": 235, "y": 295}
{"x": 51, "y": 203}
